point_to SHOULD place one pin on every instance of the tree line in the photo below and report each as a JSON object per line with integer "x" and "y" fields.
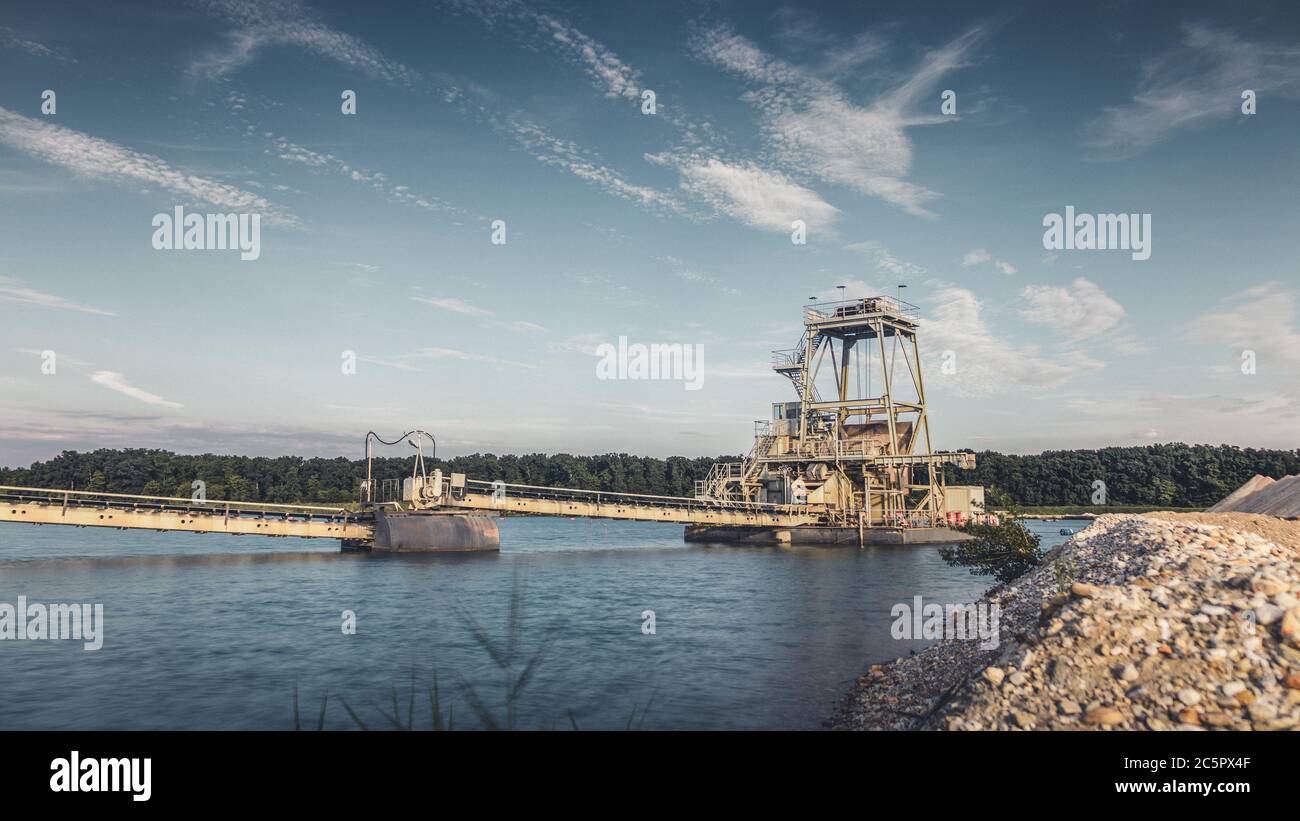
{"x": 1172, "y": 475}
{"x": 293, "y": 479}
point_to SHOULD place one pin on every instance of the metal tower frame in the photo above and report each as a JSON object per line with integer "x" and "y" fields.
{"x": 865, "y": 454}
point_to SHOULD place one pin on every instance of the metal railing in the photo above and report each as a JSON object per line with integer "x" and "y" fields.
{"x": 787, "y": 358}
{"x": 861, "y": 449}
{"x": 600, "y": 497}
{"x": 866, "y": 306}
{"x": 179, "y": 504}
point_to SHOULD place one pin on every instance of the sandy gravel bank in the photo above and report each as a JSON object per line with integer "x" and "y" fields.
{"x": 1152, "y": 621}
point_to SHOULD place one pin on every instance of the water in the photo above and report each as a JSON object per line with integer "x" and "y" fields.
{"x": 213, "y": 631}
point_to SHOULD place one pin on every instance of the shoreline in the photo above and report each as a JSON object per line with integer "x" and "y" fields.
{"x": 1165, "y": 620}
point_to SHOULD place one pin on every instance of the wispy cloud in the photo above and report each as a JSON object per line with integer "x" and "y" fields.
{"x": 414, "y": 360}
{"x": 263, "y": 23}
{"x": 467, "y": 356}
{"x": 116, "y": 382}
{"x": 885, "y": 262}
{"x": 981, "y": 256}
{"x": 453, "y": 304}
{"x": 10, "y": 39}
{"x": 101, "y": 159}
{"x": 1264, "y": 319}
{"x": 586, "y": 344}
{"x": 815, "y": 128}
{"x": 1197, "y": 83}
{"x": 614, "y": 77}
{"x": 584, "y": 164}
{"x": 985, "y": 362}
{"x": 757, "y": 197}
{"x": 1081, "y": 311}
{"x": 521, "y": 325}
{"x": 691, "y": 273}
{"x": 607, "y": 289}
{"x": 464, "y": 307}
{"x": 15, "y": 290}
{"x": 377, "y": 180}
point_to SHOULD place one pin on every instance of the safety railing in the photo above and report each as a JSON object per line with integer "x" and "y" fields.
{"x": 193, "y": 504}
{"x": 601, "y": 497}
{"x": 868, "y": 306}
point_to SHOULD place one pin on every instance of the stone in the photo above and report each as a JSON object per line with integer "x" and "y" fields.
{"x": 1262, "y": 711}
{"x": 1083, "y": 590}
{"x": 1290, "y": 629}
{"x": 1217, "y": 719}
{"x": 1023, "y": 720}
{"x": 1103, "y": 716}
{"x": 1268, "y": 613}
{"x": 1269, "y": 587}
{"x": 1189, "y": 696}
{"x": 994, "y": 675}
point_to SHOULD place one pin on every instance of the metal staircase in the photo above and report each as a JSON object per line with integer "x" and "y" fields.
{"x": 790, "y": 363}
{"x": 727, "y": 480}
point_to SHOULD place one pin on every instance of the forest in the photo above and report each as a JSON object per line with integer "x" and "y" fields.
{"x": 1170, "y": 475}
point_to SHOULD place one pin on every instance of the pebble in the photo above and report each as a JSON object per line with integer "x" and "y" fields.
{"x": 1290, "y": 629}
{"x": 1189, "y": 696}
{"x": 1144, "y": 615}
{"x": 1268, "y": 613}
{"x": 1084, "y": 591}
{"x": 1105, "y": 716}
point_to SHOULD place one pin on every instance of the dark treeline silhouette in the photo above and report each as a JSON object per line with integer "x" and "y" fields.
{"x": 288, "y": 479}
{"x": 1173, "y": 475}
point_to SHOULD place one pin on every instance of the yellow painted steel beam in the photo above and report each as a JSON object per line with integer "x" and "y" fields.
{"x": 191, "y": 521}
{"x": 703, "y": 513}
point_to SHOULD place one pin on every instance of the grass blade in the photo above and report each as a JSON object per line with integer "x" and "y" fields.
{"x": 353, "y": 715}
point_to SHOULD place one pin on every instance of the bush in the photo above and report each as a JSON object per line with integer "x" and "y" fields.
{"x": 1006, "y": 551}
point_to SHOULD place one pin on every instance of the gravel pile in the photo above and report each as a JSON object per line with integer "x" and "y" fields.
{"x": 1264, "y": 495}
{"x": 1252, "y": 486}
{"x": 1137, "y": 622}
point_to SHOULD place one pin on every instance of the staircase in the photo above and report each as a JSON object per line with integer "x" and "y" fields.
{"x": 790, "y": 363}
{"x": 725, "y": 478}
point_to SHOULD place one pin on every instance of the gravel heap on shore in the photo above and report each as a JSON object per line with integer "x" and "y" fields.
{"x": 1264, "y": 495}
{"x": 1137, "y": 622}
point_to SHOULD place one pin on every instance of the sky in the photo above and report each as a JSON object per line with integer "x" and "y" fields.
{"x": 664, "y": 223}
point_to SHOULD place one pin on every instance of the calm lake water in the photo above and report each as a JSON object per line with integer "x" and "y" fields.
{"x": 213, "y": 631}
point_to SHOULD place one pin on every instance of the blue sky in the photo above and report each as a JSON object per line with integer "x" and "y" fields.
{"x": 671, "y": 227}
